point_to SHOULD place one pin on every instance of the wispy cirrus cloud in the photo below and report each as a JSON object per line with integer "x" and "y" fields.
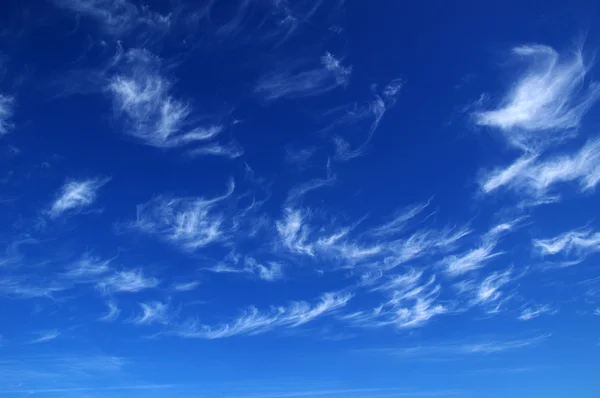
{"x": 270, "y": 271}
{"x": 6, "y": 113}
{"x": 412, "y": 301}
{"x": 186, "y": 286}
{"x": 400, "y": 220}
{"x": 26, "y": 287}
{"x": 153, "y": 312}
{"x": 87, "y": 268}
{"x": 143, "y": 97}
{"x": 536, "y": 177}
{"x": 190, "y": 223}
{"x": 293, "y": 82}
{"x": 45, "y": 336}
{"x": 297, "y": 236}
{"x": 112, "y": 314}
{"x": 75, "y": 195}
{"x": 460, "y": 350}
{"x": 535, "y": 311}
{"x": 231, "y": 150}
{"x": 546, "y": 102}
{"x": 489, "y": 294}
{"x": 253, "y": 321}
{"x": 118, "y": 17}
{"x": 372, "y": 112}
{"x": 128, "y": 281}
{"x": 573, "y": 245}
{"x": 473, "y": 259}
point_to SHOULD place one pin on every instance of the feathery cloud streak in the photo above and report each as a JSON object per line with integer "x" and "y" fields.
{"x": 291, "y": 83}
{"x": 76, "y": 195}
{"x": 189, "y": 223}
{"x": 152, "y": 114}
{"x": 536, "y": 177}
{"x": 574, "y": 245}
{"x": 254, "y": 321}
{"x": 6, "y": 113}
{"x": 117, "y": 17}
{"x": 546, "y": 103}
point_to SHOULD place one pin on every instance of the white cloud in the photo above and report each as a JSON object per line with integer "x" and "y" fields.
{"x": 489, "y": 289}
{"x": 118, "y": 17}
{"x": 143, "y": 96}
{"x": 127, "y": 281}
{"x": 576, "y": 244}
{"x": 332, "y": 64}
{"x": 288, "y": 82}
{"x": 253, "y": 321}
{"x": 6, "y": 113}
{"x": 230, "y": 150}
{"x": 535, "y": 311}
{"x": 190, "y": 223}
{"x": 153, "y": 312}
{"x": 112, "y": 314}
{"x": 547, "y": 102}
{"x": 411, "y": 303}
{"x": 448, "y": 351}
{"x": 186, "y": 286}
{"x": 23, "y": 287}
{"x": 535, "y": 177}
{"x": 45, "y": 336}
{"x": 294, "y": 232}
{"x": 470, "y": 260}
{"x": 270, "y": 271}
{"x": 298, "y": 192}
{"x": 75, "y": 195}
{"x": 373, "y": 112}
{"x": 87, "y": 269}
{"x": 400, "y": 220}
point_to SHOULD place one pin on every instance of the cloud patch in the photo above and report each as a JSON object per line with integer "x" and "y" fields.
{"x": 6, "y": 113}
{"x": 254, "y": 321}
{"x": 76, "y": 195}
{"x": 546, "y": 102}
{"x": 536, "y": 178}
{"x": 291, "y": 82}
{"x": 189, "y": 223}
{"x": 144, "y": 99}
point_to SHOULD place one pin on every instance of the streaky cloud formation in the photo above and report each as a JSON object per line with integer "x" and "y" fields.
{"x": 190, "y": 223}
{"x": 6, "y": 113}
{"x": 411, "y": 303}
{"x": 372, "y": 112}
{"x": 400, "y": 221}
{"x": 537, "y": 178}
{"x": 293, "y": 82}
{"x": 87, "y": 269}
{"x": 271, "y": 271}
{"x": 76, "y": 195}
{"x": 254, "y": 321}
{"x": 153, "y": 312}
{"x": 112, "y": 314}
{"x": 547, "y": 102}
{"x": 573, "y": 245}
{"x": 186, "y": 286}
{"x": 532, "y": 312}
{"x": 45, "y": 336}
{"x": 459, "y": 350}
{"x": 129, "y": 281}
{"x": 152, "y": 114}
{"x": 118, "y": 17}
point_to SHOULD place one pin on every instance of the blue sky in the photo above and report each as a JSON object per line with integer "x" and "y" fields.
{"x": 319, "y": 198}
